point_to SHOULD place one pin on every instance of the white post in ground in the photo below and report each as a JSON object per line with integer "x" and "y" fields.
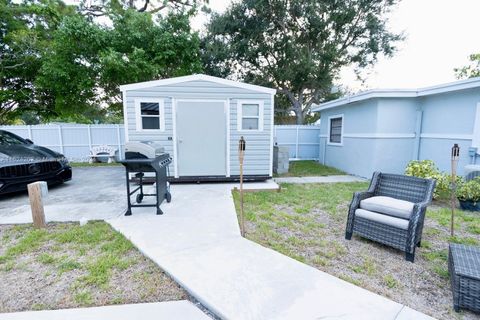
{"x": 36, "y": 192}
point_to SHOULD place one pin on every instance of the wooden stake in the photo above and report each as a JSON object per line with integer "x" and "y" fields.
{"x": 36, "y": 203}
{"x": 455, "y": 157}
{"x": 241, "y": 151}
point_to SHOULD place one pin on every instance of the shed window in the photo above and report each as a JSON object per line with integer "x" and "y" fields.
{"x": 335, "y": 133}
{"x": 150, "y": 115}
{"x": 250, "y": 115}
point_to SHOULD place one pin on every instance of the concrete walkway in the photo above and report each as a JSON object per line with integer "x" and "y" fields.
{"x": 197, "y": 241}
{"x": 322, "y": 179}
{"x": 181, "y": 310}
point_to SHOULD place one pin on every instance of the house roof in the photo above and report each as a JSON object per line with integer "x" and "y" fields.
{"x": 196, "y": 77}
{"x": 400, "y": 93}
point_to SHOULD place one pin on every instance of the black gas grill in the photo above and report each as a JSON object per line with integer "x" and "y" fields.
{"x": 141, "y": 157}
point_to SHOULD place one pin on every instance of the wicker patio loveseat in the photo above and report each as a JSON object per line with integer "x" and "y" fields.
{"x": 392, "y": 211}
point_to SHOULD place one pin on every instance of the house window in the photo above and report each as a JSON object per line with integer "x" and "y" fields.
{"x": 335, "y": 129}
{"x": 250, "y": 115}
{"x": 149, "y": 115}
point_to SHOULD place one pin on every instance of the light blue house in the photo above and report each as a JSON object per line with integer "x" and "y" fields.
{"x": 199, "y": 120}
{"x": 385, "y": 129}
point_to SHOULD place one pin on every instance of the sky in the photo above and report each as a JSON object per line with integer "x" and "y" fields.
{"x": 440, "y": 35}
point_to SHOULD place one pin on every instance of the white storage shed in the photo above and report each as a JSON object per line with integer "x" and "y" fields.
{"x": 199, "y": 119}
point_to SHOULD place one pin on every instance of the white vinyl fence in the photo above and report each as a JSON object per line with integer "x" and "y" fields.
{"x": 76, "y": 140}
{"x": 73, "y": 140}
{"x": 303, "y": 141}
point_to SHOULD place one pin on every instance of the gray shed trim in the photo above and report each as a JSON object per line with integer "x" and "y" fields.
{"x": 196, "y": 77}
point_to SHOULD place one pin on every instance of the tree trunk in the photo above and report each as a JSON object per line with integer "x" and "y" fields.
{"x": 300, "y": 117}
{"x": 297, "y": 108}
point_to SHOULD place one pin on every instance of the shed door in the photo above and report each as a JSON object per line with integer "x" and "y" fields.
{"x": 201, "y": 138}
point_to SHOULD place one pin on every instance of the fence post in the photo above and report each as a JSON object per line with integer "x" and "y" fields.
{"x": 89, "y": 130}
{"x": 296, "y": 144}
{"x": 60, "y": 137}
{"x": 119, "y": 142}
{"x": 29, "y": 131}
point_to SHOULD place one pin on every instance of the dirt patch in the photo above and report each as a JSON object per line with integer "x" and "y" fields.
{"x": 67, "y": 266}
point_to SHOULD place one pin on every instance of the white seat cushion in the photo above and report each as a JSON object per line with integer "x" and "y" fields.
{"x": 386, "y": 205}
{"x": 382, "y": 218}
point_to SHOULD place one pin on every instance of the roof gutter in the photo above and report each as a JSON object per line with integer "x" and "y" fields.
{"x": 400, "y": 93}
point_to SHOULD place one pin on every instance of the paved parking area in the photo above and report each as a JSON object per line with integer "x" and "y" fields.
{"x": 93, "y": 193}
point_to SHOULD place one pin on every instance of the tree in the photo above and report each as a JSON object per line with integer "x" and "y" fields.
{"x": 98, "y": 8}
{"x": 88, "y": 62}
{"x": 25, "y": 32}
{"x": 297, "y": 46}
{"x": 58, "y": 63}
{"x": 470, "y": 71}
{"x": 140, "y": 50}
{"x": 71, "y": 66}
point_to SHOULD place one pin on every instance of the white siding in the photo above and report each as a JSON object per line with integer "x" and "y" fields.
{"x": 258, "y": 154}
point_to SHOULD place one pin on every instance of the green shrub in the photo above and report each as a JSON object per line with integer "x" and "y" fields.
{"x": 422, "y": 169}
{"x": 469, "y": 190}
{"x": 428, "y": 170}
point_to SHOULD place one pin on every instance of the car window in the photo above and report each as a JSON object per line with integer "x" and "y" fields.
{"x": 9, "y": 139}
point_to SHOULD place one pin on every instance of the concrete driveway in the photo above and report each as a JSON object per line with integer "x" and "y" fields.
{"x": 99, "y": 193}
{"x": 93, "y": 193}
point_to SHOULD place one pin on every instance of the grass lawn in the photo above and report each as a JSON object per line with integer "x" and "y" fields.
{"x": 307, "y": 223}
{"x": 306, "y": 168}
{"x": 68, "y": 265}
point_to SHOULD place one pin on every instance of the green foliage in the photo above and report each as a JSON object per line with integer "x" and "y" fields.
{"x": 89, "y": 62}
{"x": 46, "y": 258}
{"x": 102, "y": 8}
{"x": 469, "y": 190}
{"x": 297, "y": 46}
{"x": 60, "y": 63}
{"x": 83, "y": 298}
{"x": 470, "y": 71}
{"x": 428, "y": 170}
{"x": 26, "y": 29}
{"x": 423, "y": 169}
{"x": 390, "y": 281}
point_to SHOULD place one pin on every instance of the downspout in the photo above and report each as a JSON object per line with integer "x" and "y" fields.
{"x": 418, "y": 132}
{"x": 473, "y": 150}
{"x": 324, "y": 150}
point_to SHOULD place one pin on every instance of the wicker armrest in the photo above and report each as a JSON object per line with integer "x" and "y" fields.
{"x": 418, "y": 212}
{"x": 420, "y": 205}
{"x": 357, "y": 197}
{"x": 415, "y": 225}
{"x": 361, "y": 195}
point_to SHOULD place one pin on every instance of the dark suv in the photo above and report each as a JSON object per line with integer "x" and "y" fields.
{"x": 22, "y": 162}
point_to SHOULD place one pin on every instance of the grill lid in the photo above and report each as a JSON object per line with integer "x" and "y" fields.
{"x": 143, "y": 149}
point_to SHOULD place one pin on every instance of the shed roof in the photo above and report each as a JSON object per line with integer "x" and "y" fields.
{"x": 196, "y": 77}
{"x": 400, "y": 93}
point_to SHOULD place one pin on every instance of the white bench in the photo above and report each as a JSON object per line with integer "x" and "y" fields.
{"x": 102, "y": 151}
